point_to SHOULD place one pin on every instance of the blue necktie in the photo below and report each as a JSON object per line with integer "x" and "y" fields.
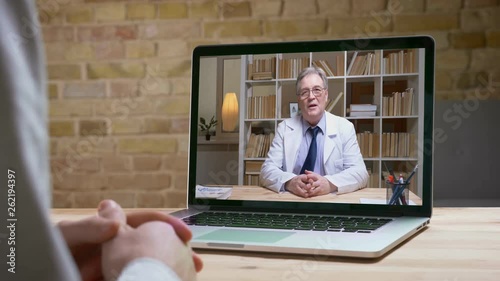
{"x": 311, "y": 154}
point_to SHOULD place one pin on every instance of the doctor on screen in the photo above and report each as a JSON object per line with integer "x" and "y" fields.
{"x": 316, "y": 152}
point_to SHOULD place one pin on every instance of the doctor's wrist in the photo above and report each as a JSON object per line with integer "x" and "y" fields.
{"x": 333, "y": 188}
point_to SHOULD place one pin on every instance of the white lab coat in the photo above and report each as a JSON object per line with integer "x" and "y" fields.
{"x": 342, "y": 161}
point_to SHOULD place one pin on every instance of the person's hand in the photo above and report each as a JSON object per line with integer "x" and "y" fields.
{"x": 135, "y": 219}
{"x": 297, "y": 185}
{"x": 155, "y": 239}
{"x": 84, "y": 239}
{"x": 317, "y": 185}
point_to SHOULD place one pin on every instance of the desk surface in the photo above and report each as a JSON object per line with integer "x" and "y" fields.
{"x": 261, "y": 193}
{"x": 459, "y": 244}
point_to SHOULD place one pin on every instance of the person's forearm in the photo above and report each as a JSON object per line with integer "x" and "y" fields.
{"x": 274, "y": 178}
{"x": 349, "y": 180}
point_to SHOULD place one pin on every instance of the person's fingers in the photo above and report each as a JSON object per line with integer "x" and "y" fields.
{"x": 301, "y": 184}
{"x": 92, "y": 269}
{"x": 135, "y": 219}
{"x": 303, "y": 189}
{"x": 111, "y": 210}
{"x": 315, "y": 185}
{"x": 314, "y": 192}
{"x": 322, "y": 188}
{"x": 198, "y": 262}
{"x": 303, "y": 178}
{"x": 312, "y": 175}
{"x": 93, "y": 230}
{"x": 298, "y": 191}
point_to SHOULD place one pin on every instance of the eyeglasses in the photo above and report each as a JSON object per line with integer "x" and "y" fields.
{"x": 317, "y": 91}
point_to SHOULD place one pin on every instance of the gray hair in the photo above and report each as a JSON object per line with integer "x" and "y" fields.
{"x": 311, "y": 70}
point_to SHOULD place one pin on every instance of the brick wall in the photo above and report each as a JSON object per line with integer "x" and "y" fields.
{"x": 119, "y": 76}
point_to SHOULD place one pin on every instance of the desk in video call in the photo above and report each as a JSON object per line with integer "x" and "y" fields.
{"x": 262, "y": 193}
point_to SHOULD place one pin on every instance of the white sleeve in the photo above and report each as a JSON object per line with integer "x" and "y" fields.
{"x": 354, "y": 176}
{"x": 147, "y": 269}
{"x": 272, "y": 174}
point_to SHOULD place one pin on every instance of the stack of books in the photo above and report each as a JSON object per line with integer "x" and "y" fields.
{"x": 363, "y": 110}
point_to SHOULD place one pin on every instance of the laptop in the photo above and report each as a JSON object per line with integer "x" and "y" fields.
{"x": 242, "y": 92}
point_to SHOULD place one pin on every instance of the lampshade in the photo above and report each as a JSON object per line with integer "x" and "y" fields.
{"x": 229, "y": 112}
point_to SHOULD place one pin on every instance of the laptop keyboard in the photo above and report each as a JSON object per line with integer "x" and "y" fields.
{"x": 287, "y": 221}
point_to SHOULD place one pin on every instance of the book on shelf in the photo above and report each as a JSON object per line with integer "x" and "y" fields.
{"x": 261, "y": 107}
{"x": 362, "y": 113}
{"x": 340, "y": 65}
{"x": 375, "y": 66}
{"x": 290, "y": 68}
{"x": 362, "y": 110}
{"x": 330, "y": 104}
{"x": 351, "y": 62}
{"x": 402, "y": 61}
{"x": 368, "y": 143}
{"x": 359, "y": 65}
{"x": 367, "y": 70}
{"x": 325, "y": 65}
{"x": 373, "y": 179}
{"x": 267, "y": 75}
{"x": 251, "y": 179}
{"x": 363, "y": 107}
{"x": 399, "y": 144}
{"x": 262, "y": 69}
{"x": 258, "y": 145}
{"x": 364, "y": 64}
{"x": 398, "y": 103}
{"x": 253, "y": 166}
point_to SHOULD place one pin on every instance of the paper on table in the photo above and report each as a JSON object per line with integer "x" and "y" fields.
{"x": 378, "y": 201}
{"x": 213, "y": 192}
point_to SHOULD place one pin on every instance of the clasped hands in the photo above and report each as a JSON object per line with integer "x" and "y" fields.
{"x": 104, "y": 244}
{"x": 309, "y": 184}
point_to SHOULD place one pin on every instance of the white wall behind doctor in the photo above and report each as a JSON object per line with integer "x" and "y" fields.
{"x": 208, "y": 80}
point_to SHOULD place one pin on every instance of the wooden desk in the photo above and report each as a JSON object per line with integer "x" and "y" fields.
{"x": 459, "y": 244}
{"x": 261, "y": 193}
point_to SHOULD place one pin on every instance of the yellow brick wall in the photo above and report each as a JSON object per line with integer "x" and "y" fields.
{"x": 119, "y": 75}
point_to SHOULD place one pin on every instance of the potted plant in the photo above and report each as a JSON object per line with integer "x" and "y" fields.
{"x": 204, "y": 127}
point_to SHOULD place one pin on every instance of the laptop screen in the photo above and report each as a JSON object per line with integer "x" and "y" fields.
{"x": 245, "y": 102}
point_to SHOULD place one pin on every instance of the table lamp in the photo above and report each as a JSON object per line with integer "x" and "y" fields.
{"x": 229, "y": 112}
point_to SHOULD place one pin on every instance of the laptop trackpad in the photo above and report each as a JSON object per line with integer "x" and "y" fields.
{"x": 235, "y": 235}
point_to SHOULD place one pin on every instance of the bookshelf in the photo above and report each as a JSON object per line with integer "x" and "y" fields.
{"x": 389, "y": 81}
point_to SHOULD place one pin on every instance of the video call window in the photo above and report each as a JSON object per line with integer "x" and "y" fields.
{"x": 247, "y": 96}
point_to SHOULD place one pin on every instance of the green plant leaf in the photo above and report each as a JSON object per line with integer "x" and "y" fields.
{"x": 206, "y": 127}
